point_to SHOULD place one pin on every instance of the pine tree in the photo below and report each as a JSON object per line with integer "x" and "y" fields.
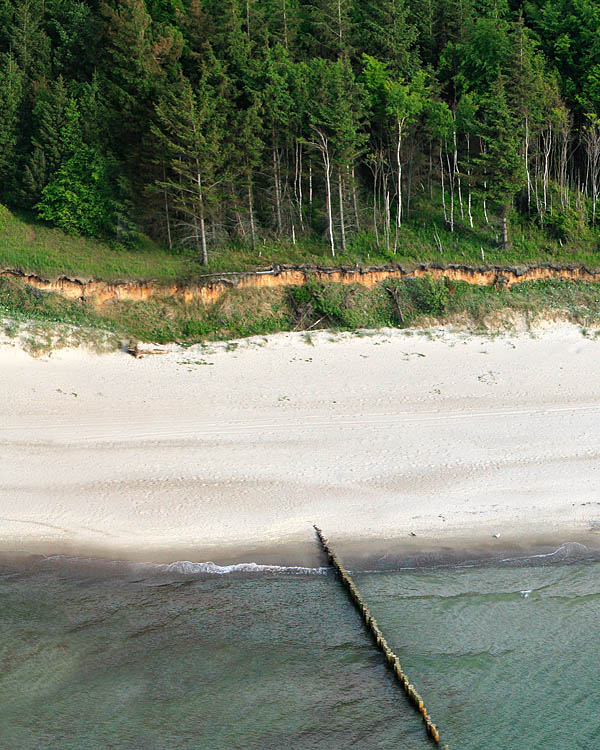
{"x": 74, "y": 29}
{"x": 284, "y": 19}
{"x": 28, "y": 39}
{"x": 48, "y": 148}
{"x": 165, "y": 11}
{"x": 133, "y": 72}
{"x": 190, "y": 129}
{"x": 501, "y": 161}
{"x": 331, "y": 27}
{"x": 383, "y": 31}
{"x": 11, "y": 92}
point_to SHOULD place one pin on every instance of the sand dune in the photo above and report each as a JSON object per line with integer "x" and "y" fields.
{"x": 445, "y": 435}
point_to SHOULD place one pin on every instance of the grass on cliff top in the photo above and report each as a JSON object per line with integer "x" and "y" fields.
{"x": 32, "y": 246}
{"x": 246, "y": 312}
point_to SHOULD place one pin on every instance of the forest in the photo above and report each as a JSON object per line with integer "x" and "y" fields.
{"x": 205, "y": 123}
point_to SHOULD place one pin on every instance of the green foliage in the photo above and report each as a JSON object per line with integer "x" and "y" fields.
{"x": 226, "y": 124}
{"x": 11, "y": 92}
{"x": 336, "y": 107}
{"x": 430, "y": 296}
{"x": 383, "y": 29}
{"x": 190, "y": 132}
{"x": 340, "y": 306}
{"x": 49, "y": 115}
{"x": 78, "y": 198}
{"x": 501, "y": 161}
{"x": 564, "y": 224}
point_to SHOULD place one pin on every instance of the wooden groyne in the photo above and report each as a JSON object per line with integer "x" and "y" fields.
{"x": 390, "y": 657}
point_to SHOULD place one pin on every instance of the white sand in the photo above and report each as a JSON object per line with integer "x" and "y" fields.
{"x": 450, "y": 436}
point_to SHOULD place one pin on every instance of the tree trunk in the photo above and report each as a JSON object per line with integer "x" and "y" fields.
{"x": 203, "y": 238}
{"x": 399, "y": 168}
{"x": 323, "y": 147}
{"x": 237, "y": 212}
{"x": 167, "y": 218}
{"x": 451, "y": 181}
{"x": 442, "y": 170}
{"x": 299, "y": 183}
{"x": 251, "y": 214}
{"x": 527, "y": 165}
{"x": 329, "y": 211}
{"x": 410, "y": 177}
{"x": 388, "y": 220}
{"x": 430, "y": 173}
{"x": 547, "y": 140}
{"x": 375, "y": 222}
{"x": 277, "y": 189}
{"x": 342, "y": 219}
{"x": 285, "y": 28}
{"x": 505, "y": 243}
{"x": 202, "y": 219}
{"x": 355, "y": 201}
{"x": 456, "y": 175}
{"x": 340, "y": 26}
{"x": 469, "y": 180}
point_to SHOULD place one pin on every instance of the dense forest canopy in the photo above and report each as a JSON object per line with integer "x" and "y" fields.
{"x": 203, "y": 122}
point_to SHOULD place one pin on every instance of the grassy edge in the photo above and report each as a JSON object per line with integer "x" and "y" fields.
{"x": 42, "y": 321}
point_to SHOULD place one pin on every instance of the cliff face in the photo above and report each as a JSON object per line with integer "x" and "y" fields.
{"x": 210, "y": 288}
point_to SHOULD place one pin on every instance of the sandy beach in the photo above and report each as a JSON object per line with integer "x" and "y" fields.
{"x": 233, "y": 451}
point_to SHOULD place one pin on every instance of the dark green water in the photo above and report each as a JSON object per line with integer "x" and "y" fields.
{"x": 506, "y": 656}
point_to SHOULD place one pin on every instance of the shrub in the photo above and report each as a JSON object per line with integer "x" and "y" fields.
{"x": 430, "y": 296}
{"x": 563, "y": 225}
{"x": 341, "y": 305}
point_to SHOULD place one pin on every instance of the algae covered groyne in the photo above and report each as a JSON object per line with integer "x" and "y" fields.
{"x": 390, "y": 657}
{"x": 210, "y": 287}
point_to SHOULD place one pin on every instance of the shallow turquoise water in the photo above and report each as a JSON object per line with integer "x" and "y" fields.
{"x": 505, "y": 656}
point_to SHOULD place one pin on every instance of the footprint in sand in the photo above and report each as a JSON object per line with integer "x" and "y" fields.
{"x": 489, "y": 378}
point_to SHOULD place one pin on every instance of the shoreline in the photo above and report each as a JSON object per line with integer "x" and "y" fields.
{"x": 359, "y": 556}
{"x": 230, "y": 452}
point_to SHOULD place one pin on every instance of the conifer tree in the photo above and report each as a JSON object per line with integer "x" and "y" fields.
{"x": 74, "y": 29}
{"x": 133, "y": 72}
{"x": 383, "y": 31}
{"x": 501, "y": 159}
{"x": 11, "y": 92}
{"x": 28, "y": 39}
{"x": 190, "y": 128}
{"x": 48, "y": 147}
{"x": 507, "y": 107}
{"x": 331, "y": 27}
{"x": 284, "y": 19}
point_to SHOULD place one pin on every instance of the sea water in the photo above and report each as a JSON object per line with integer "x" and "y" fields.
{"x": 505, "y": 655}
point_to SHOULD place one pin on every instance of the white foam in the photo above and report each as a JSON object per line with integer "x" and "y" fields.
{"x": 193, "y": 568}
{"x": 569, "y": 550}
{"x": 186, "y": 567}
